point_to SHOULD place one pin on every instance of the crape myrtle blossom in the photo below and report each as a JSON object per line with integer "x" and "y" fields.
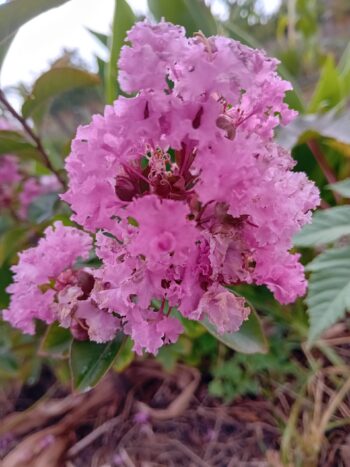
{"x": 47, "y": 287}
{"x": 9, "y": 173}
{"x": 185, "y": 191}
{"x": 18, "y": 190}
{"x": 9, "y": 179}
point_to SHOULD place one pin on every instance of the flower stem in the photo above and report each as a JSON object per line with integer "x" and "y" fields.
{"x": 33, "y": 136}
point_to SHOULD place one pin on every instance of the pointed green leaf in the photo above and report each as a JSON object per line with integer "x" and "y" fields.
{"x": 249, "y": 339}
{"x": 342, "y": 187}
{"x": 327, "y": 226}
{"x": 238, "y": 34}
{"x": 194, "y": 15}
{"x": 56, "y": 341}
{"x": 54, "y": 82}
{"x": 328, "y": 296}
{"x": 12, "y": 241}
{"x": 328, "y": 92}
{"x": 101, "y": 64}
{"x": 259, "y": 296}
{"x": 202, "y": 16}
{"x": 13, "y": 142}
{"x": 5, "y": 280}
{"x": 42, "y": 208}
{"x": 328, "y": 125}
{"x": 123, "y": 20}
{"x": 90, "y": 361}
{"x": 344, "y": 68}
{"x": 102, "y": 38}
{"x": 8, "y": 365}
{"x": 344, "y": 62}
{"x": 17, "y": 12}
{"x": 125, "y": 357}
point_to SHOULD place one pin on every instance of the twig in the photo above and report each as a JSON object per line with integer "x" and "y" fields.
{"x": 33, "y": 136}
{"x": 334, "y": 341}
{"x": 324, "y": 166}
{"x": 334, "y": 404}
{"x": 126, "y": 458}
{"x": 178, "y": 405}
{"x": 91, "y": 437}
{"x": 187, "y": 451}
{"x": 210, "y": 446}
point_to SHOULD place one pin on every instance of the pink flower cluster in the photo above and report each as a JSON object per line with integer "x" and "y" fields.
{"x": 9, "y": 179}
{"x": 185, "y": 191}
{"x": 47, "y": 288}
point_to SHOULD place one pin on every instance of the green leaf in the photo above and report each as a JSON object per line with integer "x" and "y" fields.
{"x": 202, "y": 16}
{"x": 328, "y": 296}
{"x": 101, "y": 64}
{"x": 249, "y": 339}
{"x": 328, "y": 125}
{"x": 238, "y": 34}
{"x": 12, "y": 241}
{"x": 13, "y": 142}
{"x": 17, "y": 12}
{"x": 294, "y": 97}
{"x": 56, "y": 341}
{"x": 42, "y": 208}
{"x": 334, "y": 125}
{"x": 344, "y": 68}
{"x": 344, "y": 62}
{"x": 102, "y": 38}
{"x": 54, "y": 82}
{"x": 328, "y": 92}
{"x": 126, "y": 356}
{"x": 169, "y": 354}
{"x": 342, "y": 187}
{"x": 5, "y": 280}
{"x": 123, "y": 20}
{"x": 8, "y": 365}
{"x": 259, "y": 296}
{"x": 90, "y": 361}
{"x": 327, "y": 226}
{"x": 194, "y": 15}
{"x": 6, "y": 222}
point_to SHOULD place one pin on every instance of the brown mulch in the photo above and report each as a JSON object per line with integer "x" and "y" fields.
{"x": 147, "y": 418}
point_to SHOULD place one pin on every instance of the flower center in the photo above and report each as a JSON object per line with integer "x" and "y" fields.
{"x": 166, "y": 174}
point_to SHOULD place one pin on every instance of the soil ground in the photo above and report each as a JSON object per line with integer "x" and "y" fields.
{"x": 146, "y": 417}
